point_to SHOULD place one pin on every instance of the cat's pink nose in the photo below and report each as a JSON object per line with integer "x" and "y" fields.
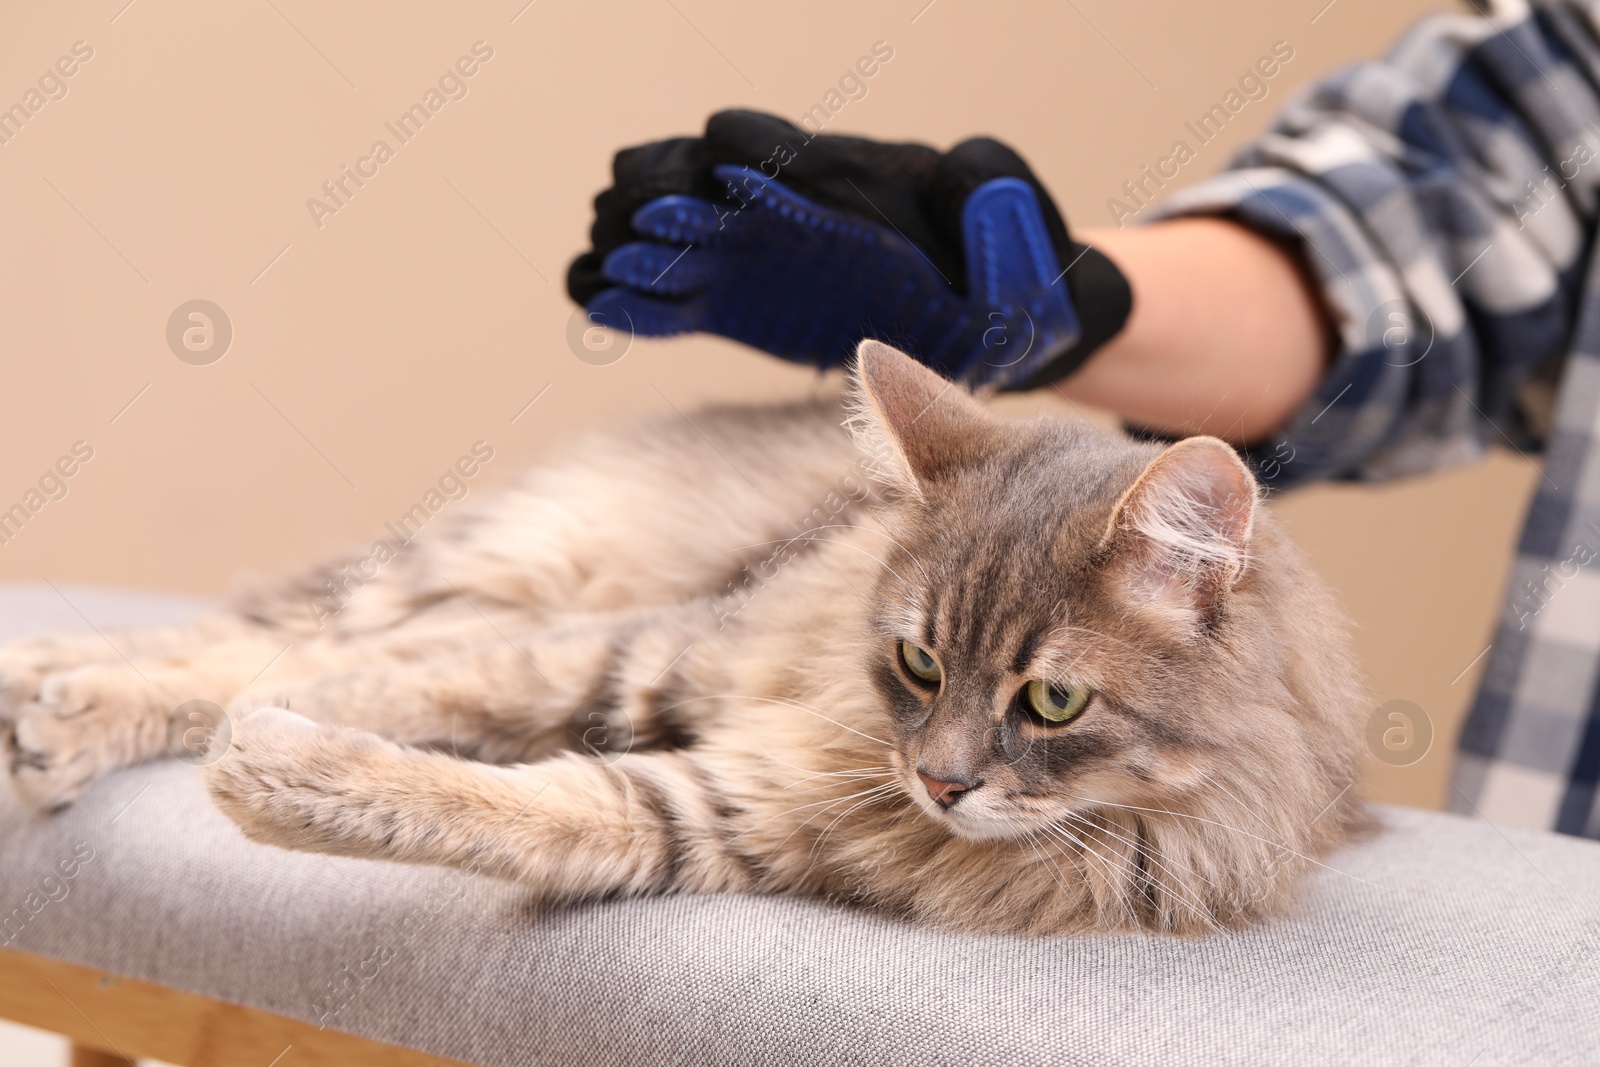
{"x": 944, "y": 794}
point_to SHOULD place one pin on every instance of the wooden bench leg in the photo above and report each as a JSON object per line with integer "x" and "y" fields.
{"x": 84, "y": 1056}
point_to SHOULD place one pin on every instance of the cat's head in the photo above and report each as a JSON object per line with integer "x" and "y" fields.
{"x": 1072, "y": 627}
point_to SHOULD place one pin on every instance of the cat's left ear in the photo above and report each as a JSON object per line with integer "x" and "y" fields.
{"x": 918, "y": 427}
{"x": 1180, "y": 535}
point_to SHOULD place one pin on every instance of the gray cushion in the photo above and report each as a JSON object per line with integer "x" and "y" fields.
{"x": 1444, "y": 941}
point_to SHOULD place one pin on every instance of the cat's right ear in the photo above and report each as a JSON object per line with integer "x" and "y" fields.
{"x": 1180, "y": 536}
{"x": 917, "y": 427}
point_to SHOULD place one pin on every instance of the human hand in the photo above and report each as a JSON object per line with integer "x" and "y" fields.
{"x": 803, "y": 244}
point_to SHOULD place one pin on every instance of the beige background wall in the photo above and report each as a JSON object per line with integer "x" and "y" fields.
{"x": 369, "y": 352}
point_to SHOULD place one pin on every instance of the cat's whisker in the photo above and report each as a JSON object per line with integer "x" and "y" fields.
{"x": 1128, "y": 866}
{"x": 1176, "y": 887}
{"x": 824, "y": 811}
{"x": 765, "y": 751}
{"x": 1156, "y": 857}
{"x": 813, "y": 854}
{"x": 1054, "y": 870}
{"x": 1284, "y": 848}
{"x": 1210, "y": 779}
{"x": 844, "y": 775}
{"x": 1225, "y": 826}
{"x": 1116, "y": 873}
{"x": 868, "y": 802}
{"x": 1074, "y": 845}
{"x": 1030, "y": 834}
{"x": 884, "y": 773}
{"x": 1104, "y": 829}
{"x": 1112, "y": 873}
{"x": 803, "y": 807}
{"x": 1081, "y": 847}
{"x": 862, "y": 770}
{"x": 814, "y": 803}
{"x": 855, "y": 780}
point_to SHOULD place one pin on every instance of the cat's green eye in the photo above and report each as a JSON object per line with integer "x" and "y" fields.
{"x": 1055, "y": 703}
{"x": 919, "y": 663}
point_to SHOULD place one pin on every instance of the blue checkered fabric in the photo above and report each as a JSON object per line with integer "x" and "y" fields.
{"x": 1445, "y": 201}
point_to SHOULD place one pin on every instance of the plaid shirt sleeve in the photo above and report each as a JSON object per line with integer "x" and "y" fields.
{"x": 1443, "y": 199}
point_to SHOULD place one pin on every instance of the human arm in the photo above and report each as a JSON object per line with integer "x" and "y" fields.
{"x": 1226, "y": 337}
{"x": 1441, "y": 205}
{"x": 1383, "y": 284}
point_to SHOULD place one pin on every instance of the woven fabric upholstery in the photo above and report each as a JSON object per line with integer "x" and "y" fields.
{"x": 1443, "y": 941}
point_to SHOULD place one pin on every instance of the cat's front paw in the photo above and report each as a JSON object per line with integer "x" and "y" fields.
{"x": 78, "y": 725}
{"x": 53, "y": 759}
{"x": 289, "y": 782}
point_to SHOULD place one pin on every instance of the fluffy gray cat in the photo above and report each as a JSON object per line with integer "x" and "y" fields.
{"x": 1022, "y": 676}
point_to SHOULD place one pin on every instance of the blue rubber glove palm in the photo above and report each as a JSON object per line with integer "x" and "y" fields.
{"x": 959, "y": 259}
{"x": 805, "y": 282}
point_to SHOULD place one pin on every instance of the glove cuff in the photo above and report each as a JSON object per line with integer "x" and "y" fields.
{"x": 1103, "y": 299}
